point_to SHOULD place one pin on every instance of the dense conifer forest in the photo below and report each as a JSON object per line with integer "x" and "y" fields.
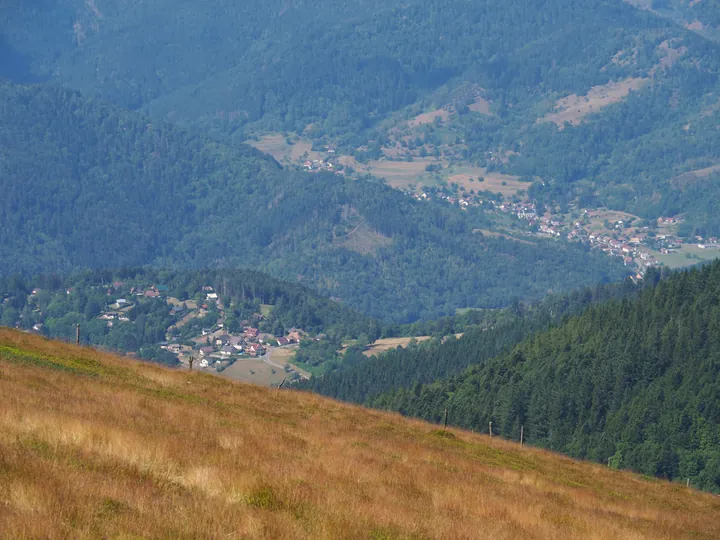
{"x": 87, "y": 185}
{"x": 632, "y": 383}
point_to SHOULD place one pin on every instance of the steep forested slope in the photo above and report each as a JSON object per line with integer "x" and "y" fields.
{"x": 86, "y": 185}
{"x": 633, "y": 383}
{"x": 337, "y": 70}
{"x": 444, "y": 355}
{"x": 315, "y": 60}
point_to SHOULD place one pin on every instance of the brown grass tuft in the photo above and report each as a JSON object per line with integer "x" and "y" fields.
{"x": 92, "y": 445}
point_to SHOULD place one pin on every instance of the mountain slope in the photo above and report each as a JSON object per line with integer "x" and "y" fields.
{"x": 405, "y": 368}
{"x": 598, "y": 102}
{"x": 87, "y": 185}
{"x": 91, "y": 445}
{"x": 632, "y": 383}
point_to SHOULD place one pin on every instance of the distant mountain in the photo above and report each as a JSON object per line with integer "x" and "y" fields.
{"x": 87, "y": 185}
{"x": 632, "y": 383}
{"x": 596, "y": 101}
{"x": 701, "y": 16}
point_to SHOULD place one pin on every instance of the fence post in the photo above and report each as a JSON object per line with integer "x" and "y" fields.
{"x": 490, "y": 430}
{"x": 445, "y": 420}
{"x": 77, "y": 334}
{"x": 522, "y": 432}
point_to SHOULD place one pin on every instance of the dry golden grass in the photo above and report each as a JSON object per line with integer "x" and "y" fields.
{"x": 96, "y": 446}
{"x": 385, "y": 344}
{"x": 466, "y": 176}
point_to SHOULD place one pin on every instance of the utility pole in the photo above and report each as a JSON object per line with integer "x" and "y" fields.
{"x": 77, "y": 334}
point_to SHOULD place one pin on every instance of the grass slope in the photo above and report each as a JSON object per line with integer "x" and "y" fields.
{"x": 91, "y": 446}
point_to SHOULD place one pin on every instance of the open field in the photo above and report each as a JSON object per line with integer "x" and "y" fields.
{"x": 467, "y": 176}
{"x": 429, "y": 118}
{"x": 598, "y": 217}
{"x": 687, "y": 255}
{"x": 574, "y": 108}
{"x": 496, "y": 234}
{"x": 382, "y": 345}
{"x": 93, "y": 446}
{"x": 276, "y": 146}
{"x": 285, "y": 355}
{"x": 481, "y": 106}
{"x": 400, "y": 174}
{"x": 255, "y": 371}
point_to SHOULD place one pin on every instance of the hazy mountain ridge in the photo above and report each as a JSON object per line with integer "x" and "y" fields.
{"x": 88, "y": 185}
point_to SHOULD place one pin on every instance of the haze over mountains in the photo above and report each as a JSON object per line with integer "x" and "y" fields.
{"x": 110, "y": 188}
{"x": 338, "y": 71}
{"x": 522, "y": 136}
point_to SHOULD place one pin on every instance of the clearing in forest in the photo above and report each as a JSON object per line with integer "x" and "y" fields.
{"x": 467, "y": 177}
{"x": 573, "y": 108}
{"x": 382, "y": 345}
{"x": 364, "y": 240}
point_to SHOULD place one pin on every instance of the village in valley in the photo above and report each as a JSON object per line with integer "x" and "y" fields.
{"x": 639, "y": 244}
{"x": 243, "y": 353}
{"x": 617, "y": 234}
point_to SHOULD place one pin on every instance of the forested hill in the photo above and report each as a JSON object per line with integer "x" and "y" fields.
{"x": 632, "y": 383}
{"x": 86, "y": 185}
{"x": 601, "y": 103}
{"x": 298, "y": 62}
{"x": 445, "y": 355}
{"x": 136, "y": 309}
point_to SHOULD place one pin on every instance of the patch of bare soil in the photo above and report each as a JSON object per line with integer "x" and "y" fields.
{"x": 573, "y": 108}
{"x": 429, "y": 118}
{"x": 364, "y": 240}
{"x": 481, "y": 106}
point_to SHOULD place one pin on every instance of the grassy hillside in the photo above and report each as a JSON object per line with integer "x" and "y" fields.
{"x": 634, "y": 383}
{"x": 91, "y": 446}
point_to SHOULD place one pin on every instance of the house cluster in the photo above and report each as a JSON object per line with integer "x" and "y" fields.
{"x": 316, "y": 165}
{"x": 629, "y": 248}
{"x": 119, "y": 309}
{"x": 221, "y": 346}
{"x": 464, "y": 201}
